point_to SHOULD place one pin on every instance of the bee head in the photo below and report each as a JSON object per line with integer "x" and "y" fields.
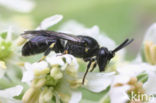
{"x": 103, "y": 58}
{"x": 104, "y": 55}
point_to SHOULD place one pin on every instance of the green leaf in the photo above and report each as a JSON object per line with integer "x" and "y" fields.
{"x": 143, "y": 77}
{"x": 91, "y": 96}
{"x": 3, "y": 35}
{"x": 5, "y": 49}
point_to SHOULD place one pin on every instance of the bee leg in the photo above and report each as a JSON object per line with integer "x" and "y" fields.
{"x": 88, "y": 67}
{"x": 47, "y": 51}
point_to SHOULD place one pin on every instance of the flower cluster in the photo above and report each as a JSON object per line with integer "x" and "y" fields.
{"x": 54, "y": 78}
{"x": 8, "y": 50}
{"x": 58, "y": 78}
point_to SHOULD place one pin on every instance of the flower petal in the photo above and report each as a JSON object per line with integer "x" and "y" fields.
{"x": 105, "y": 41}
{"x": 119, "y": 94}
{"x": 36, "y": 65}
{"x": 75, "y": 97}
{"x": 150, "y": 85}
{"x": 69, "y": 59}
{"x": 11, "y": 92}
{"x": 151, "y": 34}
{"x": 152, "y": 100}
{"x": 135, "y": 69}
{"x": 9, "y": 100}
{"x": 98, "y": 82}
{"x": 75, "y": 28}
{"x": 54, "y": 59}
{"x": 39, "y": 65}
{"x": 28, "y": 74}
{"x": 27, "y": 77}
{"x": 123, "y": 79}
{"x": 50, "y": 21}
{"x": 23, "y": 5}
{"x": 28, "y": 66}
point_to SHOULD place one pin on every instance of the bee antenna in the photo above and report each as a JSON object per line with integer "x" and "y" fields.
{"x": 124, "y": 44}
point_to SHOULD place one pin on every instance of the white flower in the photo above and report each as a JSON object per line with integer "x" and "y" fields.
{"x": 151, "y": 83}
{"x": 23, "y": 5}
{"x": 151, "y": 34}
{"x": 98, "y": 82}
{"x": 8, "y": 46}
{"x": 125, "y": 82}
{"x": 55, "y": 76}
{"x": 148, "y": 55}
{"x": 148, "y": 52}
{"x": 62, "y": 70}
{"x": 76, "y": 97}
{"x": 119, "y": 94}
{"x": 7, "y": 95}
{"x": 7, "y": 51}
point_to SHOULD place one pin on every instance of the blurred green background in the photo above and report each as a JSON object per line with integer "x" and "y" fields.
{"x": 119, "y": 19}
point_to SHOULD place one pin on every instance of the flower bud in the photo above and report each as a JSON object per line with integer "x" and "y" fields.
{"x": 56, "y": 73}
{"x": 46, "y": 95}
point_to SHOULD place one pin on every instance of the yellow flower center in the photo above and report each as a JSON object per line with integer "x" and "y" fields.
{"x": 137, "y": 92}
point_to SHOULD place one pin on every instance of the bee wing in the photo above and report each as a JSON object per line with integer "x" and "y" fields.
{"x": 31, "y": 34}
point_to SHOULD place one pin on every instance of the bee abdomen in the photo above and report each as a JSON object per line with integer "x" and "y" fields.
{"x": 31, "y": 48}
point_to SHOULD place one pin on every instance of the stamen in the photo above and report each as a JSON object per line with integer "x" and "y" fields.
{"x": 150, "y": 52}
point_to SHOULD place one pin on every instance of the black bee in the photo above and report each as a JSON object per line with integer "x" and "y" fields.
{"x": 79, "y": 46}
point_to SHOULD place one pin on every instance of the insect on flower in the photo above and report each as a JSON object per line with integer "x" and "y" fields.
{"x": 79, "y": 46}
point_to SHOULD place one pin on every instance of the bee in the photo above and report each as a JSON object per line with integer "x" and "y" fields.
{"x": 85, "y": 47}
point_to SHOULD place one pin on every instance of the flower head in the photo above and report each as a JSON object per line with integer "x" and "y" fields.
{"x": 52, "y": 78}
{"x": 129, "y": 86}
{"x": 149, "y": 46}
{"x": 7, "y": 44}
{"x": 58, "y": 77}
